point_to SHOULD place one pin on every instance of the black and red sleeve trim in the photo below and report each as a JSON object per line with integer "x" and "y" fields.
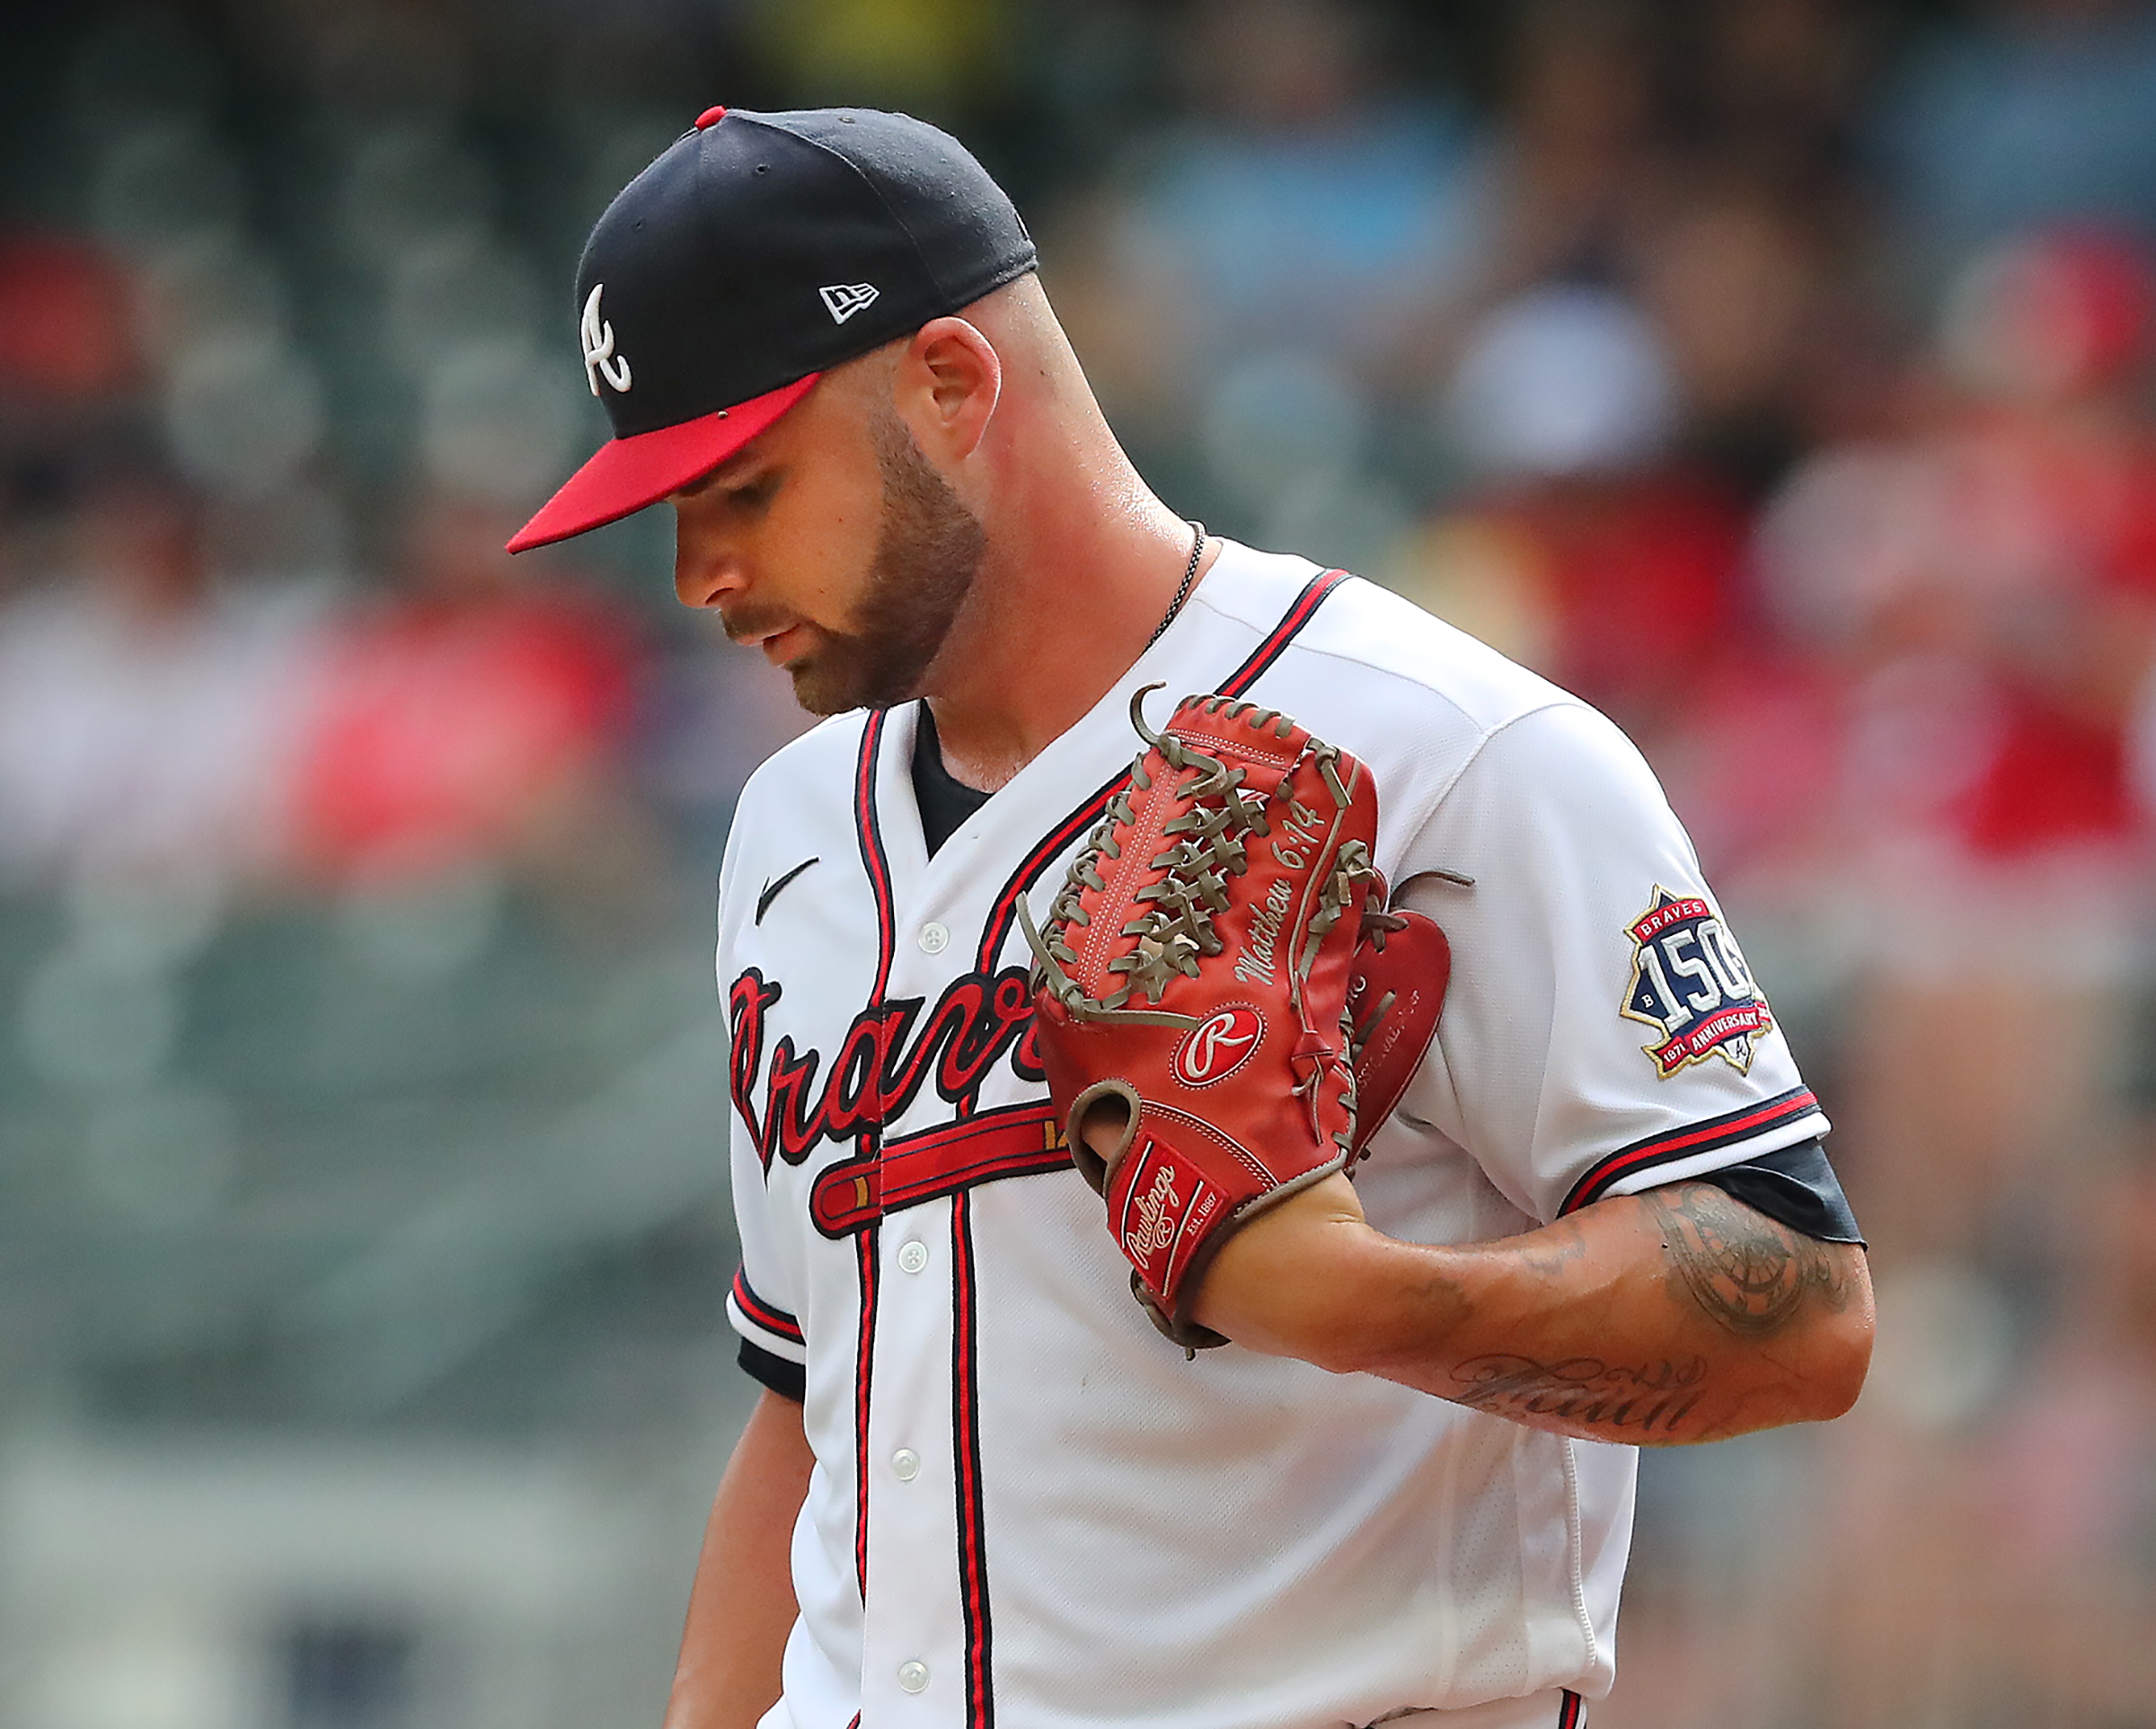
{"x": 1696, "y": 1141}
{"x": 766, "y": 1317}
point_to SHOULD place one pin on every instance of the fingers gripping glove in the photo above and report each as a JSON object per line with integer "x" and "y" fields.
{"x": 1196, "y": 967}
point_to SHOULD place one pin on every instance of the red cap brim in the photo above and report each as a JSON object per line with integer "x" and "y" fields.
{"x": 625, "y": 474}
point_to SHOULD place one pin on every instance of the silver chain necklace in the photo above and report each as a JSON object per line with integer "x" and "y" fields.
{"x": 1182, "y": 592}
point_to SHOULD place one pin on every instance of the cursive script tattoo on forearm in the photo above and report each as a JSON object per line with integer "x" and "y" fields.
{"x": 1746, "y": 1271}
{"x": 1583, "y": 1394}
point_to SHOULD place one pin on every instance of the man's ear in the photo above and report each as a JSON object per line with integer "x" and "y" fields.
{"x": 949, "y": 380}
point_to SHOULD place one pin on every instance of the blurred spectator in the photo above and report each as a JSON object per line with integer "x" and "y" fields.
{"x": 2040, "y": 110}
{"x": 1303, "y": 207}
{"x": 63, "y": 323}
{"x": 1582, "y": 158}
{"x": 1778, "y": 83}
{"x": 891, "y": 53}
{"x": 1999, "y": 1498}
{"x": 1739, "y": 290}
{"x": 145, "y": 705}
{"x": 2066, "y": 1497}
{"x": 466, "y": 720}
{"x": 1989, "y": 583}
{"x": 1590, "y": 548}
{"x": 710, "y": 711}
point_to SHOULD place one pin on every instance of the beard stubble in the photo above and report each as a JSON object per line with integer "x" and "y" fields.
{"x": 928, "y": 550}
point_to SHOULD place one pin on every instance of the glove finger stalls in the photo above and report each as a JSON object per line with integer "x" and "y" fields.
{"x": 1390, "y": 1038}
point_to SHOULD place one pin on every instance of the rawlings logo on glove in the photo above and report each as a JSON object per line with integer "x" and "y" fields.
{"x": 1222, "y": 1045}
{"x": 1197, "y": 976}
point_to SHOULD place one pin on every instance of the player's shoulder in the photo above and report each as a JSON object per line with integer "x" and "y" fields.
{"x": 816, "y": 769}
{"x": 803, "y": 791}
{"x": 1390, "y": 649}
{"x": 1414, "y": 698}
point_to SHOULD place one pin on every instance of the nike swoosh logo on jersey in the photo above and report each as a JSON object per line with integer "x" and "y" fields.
{"x": 772, "y": 887}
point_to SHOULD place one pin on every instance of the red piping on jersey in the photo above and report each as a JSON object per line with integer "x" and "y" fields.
{"x": 869, "y": 828}
{"x": 1716, "y": 1131}
{"x": 1290, "y": 624}
{"x": 966, "y": 1432}
{"x": 771, "y": 1319}
{"x": 1572, "y": 1713}
{"x": 1001, "y": 916}
{"x": 863, "y": 1365}
{"x": 1009, "y": 1141}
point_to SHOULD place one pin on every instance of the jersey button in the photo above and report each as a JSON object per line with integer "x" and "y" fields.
{"x": 905, "y": 1464}
{"x": 935, "y": 939}
{"x": 912, "y": 1675}
{"x": 913, "y": 1257}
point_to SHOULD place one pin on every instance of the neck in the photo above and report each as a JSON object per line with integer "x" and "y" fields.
{"x": 1083, "y": 565}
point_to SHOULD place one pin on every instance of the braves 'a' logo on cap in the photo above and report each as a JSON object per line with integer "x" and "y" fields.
{"x": 600, "y": 360}
{"x": 842, "y": 300}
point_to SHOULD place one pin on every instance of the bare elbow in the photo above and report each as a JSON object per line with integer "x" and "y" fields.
{"x": 1840, "y": 1353}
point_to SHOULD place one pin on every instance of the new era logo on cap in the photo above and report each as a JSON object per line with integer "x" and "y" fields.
{"x": 842, "y": 300}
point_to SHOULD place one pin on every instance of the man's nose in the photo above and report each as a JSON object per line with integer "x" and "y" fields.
{"x": 706, "y": 572}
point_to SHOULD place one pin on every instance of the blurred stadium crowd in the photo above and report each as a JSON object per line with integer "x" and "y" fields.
{"x": 1776, "y": 374}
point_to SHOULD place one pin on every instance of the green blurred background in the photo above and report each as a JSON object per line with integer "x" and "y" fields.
{"x": 1774, "y": 373}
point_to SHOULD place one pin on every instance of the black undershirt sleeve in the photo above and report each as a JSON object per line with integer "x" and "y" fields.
{"x": 1795, "y": 1187}
{"x": 787, "y": 1379}
{"x": 945, "y": 802}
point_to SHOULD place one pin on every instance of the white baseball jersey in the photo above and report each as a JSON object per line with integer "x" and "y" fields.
{"x": 1028, "y": 1507}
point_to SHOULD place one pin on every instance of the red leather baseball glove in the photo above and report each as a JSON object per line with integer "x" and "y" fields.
{"x": 1196, "y": 972}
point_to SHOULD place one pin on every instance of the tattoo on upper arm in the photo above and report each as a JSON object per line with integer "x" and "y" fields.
{"x": 1584, "y": 1393}
{"x": 1746, "y": 1271}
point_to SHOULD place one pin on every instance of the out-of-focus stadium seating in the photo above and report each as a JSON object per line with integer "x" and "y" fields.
{"x": 1776, "y": 372}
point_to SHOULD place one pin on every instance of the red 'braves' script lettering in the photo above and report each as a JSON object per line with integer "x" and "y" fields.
{"x": 751, "y": 995}
{"x": 889, "y": 1053}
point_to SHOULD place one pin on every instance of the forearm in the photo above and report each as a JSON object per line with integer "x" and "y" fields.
{"x": 1681, "y": 1315}
{"x": 741, "y": 1608}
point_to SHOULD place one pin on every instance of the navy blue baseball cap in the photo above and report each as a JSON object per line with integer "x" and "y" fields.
{"x": 759, "y": 250}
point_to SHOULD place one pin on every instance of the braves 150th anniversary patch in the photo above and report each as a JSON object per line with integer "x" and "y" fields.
{"x": 1692, "y": 985}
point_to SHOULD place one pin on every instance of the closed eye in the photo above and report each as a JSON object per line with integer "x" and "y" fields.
{"x": 751, "y": 494}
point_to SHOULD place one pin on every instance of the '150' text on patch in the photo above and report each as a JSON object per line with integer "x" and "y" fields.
{"x": 1692, "y": 985}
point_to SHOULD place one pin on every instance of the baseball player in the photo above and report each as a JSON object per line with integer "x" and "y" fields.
{"x": 980, "y": 1486}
